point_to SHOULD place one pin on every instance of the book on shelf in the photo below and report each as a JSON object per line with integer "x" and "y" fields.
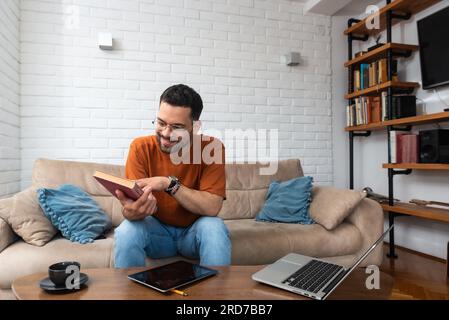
{"x": 403, "y": 106}
{"x": 382, "y": 70}
{"x": 393, "y": 146}
{"x": 410, "y": 148}
{"x": 376, "y": 109}
{"x": 112, "y": 183}
{"x": 404, "y": 147}
{"x": 372, "y": 74}
{"x": 384, "y": 97}
{"x": 397, "y": 147}
{"x": 365, "y": 110}
{"x": 357, "y": 86}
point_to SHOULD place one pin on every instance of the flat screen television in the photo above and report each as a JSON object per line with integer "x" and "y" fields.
{"x": 433, "y": 35}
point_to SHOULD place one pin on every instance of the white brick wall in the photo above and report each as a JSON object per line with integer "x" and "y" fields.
{"x": 81, "y": 103}
{"x": 9, "y": 98}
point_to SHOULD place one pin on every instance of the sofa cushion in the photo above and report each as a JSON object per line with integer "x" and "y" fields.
{"x": 74, "y": 213}
{"x": 28, "y": 220}
{"x": 53, "y": 173}
{"x": 330, "y": 206}
{"x": 246, "y": 188}
{"x": 288, "y": 202}
{"x": 255, "y": 243}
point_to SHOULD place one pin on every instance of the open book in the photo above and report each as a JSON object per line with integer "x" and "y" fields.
{"x": 129, "y": 187}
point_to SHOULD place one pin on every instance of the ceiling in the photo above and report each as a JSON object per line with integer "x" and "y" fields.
{"x": 356, "y": 7}
{"x": 336, "y": 7}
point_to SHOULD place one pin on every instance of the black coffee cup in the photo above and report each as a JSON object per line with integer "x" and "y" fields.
{"x": 59, "y": 272}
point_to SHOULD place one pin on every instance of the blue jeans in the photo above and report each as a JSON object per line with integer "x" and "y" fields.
{"x": 207, "y": 239}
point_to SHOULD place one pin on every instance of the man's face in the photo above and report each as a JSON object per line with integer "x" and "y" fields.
{"x": 173, "y": 127}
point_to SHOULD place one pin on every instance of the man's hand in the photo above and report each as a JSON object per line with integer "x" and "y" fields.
{"x": 155, "y": 183}
{"x": 145, "y": 206}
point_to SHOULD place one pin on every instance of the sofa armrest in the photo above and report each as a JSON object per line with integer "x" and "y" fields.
{"x": 7, "y": 236}
{"x": 368, "y": 217}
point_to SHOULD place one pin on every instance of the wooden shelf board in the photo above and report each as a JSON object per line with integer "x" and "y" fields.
{"x": 367, "y": 127}
{"x": 417, "y": 120}
{"x": 381, "y": 52}
{"x": 382, "y": 87}
{"x": 426, "y": 212}
{"x": 416, "y": 166}
{"x": 399, "y": 6}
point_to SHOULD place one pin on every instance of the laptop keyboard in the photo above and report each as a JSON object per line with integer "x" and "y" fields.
{"x": 313, "y": 276}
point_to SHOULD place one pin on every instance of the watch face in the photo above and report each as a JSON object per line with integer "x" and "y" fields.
{"x": 173, "y": 181}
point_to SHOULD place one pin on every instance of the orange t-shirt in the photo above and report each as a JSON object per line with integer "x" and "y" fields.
{"x": 145, "y": 159}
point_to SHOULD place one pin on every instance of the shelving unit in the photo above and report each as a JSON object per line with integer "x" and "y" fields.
{"x": 409, "y": 121}
{"x": 395, "y": 85}
{"x": 389, "y": 15}
{"x": 402, "y": 9}
{"x": 398, "y": 50}
{"x": 418, "y": 211}
{"x": 416, "y": 166}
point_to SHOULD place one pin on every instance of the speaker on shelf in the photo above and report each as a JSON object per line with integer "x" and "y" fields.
{"x": 434, "y": 146}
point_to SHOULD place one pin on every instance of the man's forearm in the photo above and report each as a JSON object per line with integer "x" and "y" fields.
{"x": 199, "y": 202}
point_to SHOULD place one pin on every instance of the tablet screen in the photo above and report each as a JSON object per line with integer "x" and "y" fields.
{"x": 173, "y": 275}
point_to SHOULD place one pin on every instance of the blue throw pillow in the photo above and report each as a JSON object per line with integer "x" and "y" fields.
{"x": 74, "y": 213}
{"x": 288, "y": 202}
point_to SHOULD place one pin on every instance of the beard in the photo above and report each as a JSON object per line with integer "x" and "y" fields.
{"x": 173, "y": 143}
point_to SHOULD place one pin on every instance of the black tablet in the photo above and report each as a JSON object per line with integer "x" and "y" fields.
{"x": 172, "y": 275}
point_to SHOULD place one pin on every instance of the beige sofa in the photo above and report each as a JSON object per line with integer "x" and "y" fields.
{"x": 253, "y": 243}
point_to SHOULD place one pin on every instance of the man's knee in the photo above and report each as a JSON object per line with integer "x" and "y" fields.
{"x": 211, "y": 226}
{"x": 129, "y": 231}
{"x": 213, "y": 223}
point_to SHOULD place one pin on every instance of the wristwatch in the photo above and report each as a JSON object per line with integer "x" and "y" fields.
{"x": 173, "y": 186}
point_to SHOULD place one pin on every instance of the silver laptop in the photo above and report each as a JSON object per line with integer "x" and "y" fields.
{"x": 308, "y": 276}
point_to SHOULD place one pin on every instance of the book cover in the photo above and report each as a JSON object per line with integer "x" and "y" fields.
{"x": 375, "y": 72}
{"x": 376, "y": 110}
{"x": 348, "y": 116}
{"x": 410, "y": 152}
{"x": 399, "y": 148}
{"x": 364, "y": 76}
{"x": 369, "y": 115}
{"x": 384, "y": 106}
{"x": 356, "y": 80}
{"x": 393, "y": 147}
{"x": 351, "y": 79}
{"x": 382, "y": 71}
{"x": 112, "y": 183}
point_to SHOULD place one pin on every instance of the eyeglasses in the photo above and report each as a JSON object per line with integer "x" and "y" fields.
{"x": 158, "y": 123}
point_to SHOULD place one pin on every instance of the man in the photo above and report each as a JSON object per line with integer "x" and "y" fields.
{"x": 177, "y": 212}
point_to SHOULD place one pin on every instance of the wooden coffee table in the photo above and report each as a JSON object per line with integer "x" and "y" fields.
{"x": 231, "y": 283}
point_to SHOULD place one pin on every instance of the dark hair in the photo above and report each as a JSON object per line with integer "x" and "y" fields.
{"x": 181, "y": 95}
